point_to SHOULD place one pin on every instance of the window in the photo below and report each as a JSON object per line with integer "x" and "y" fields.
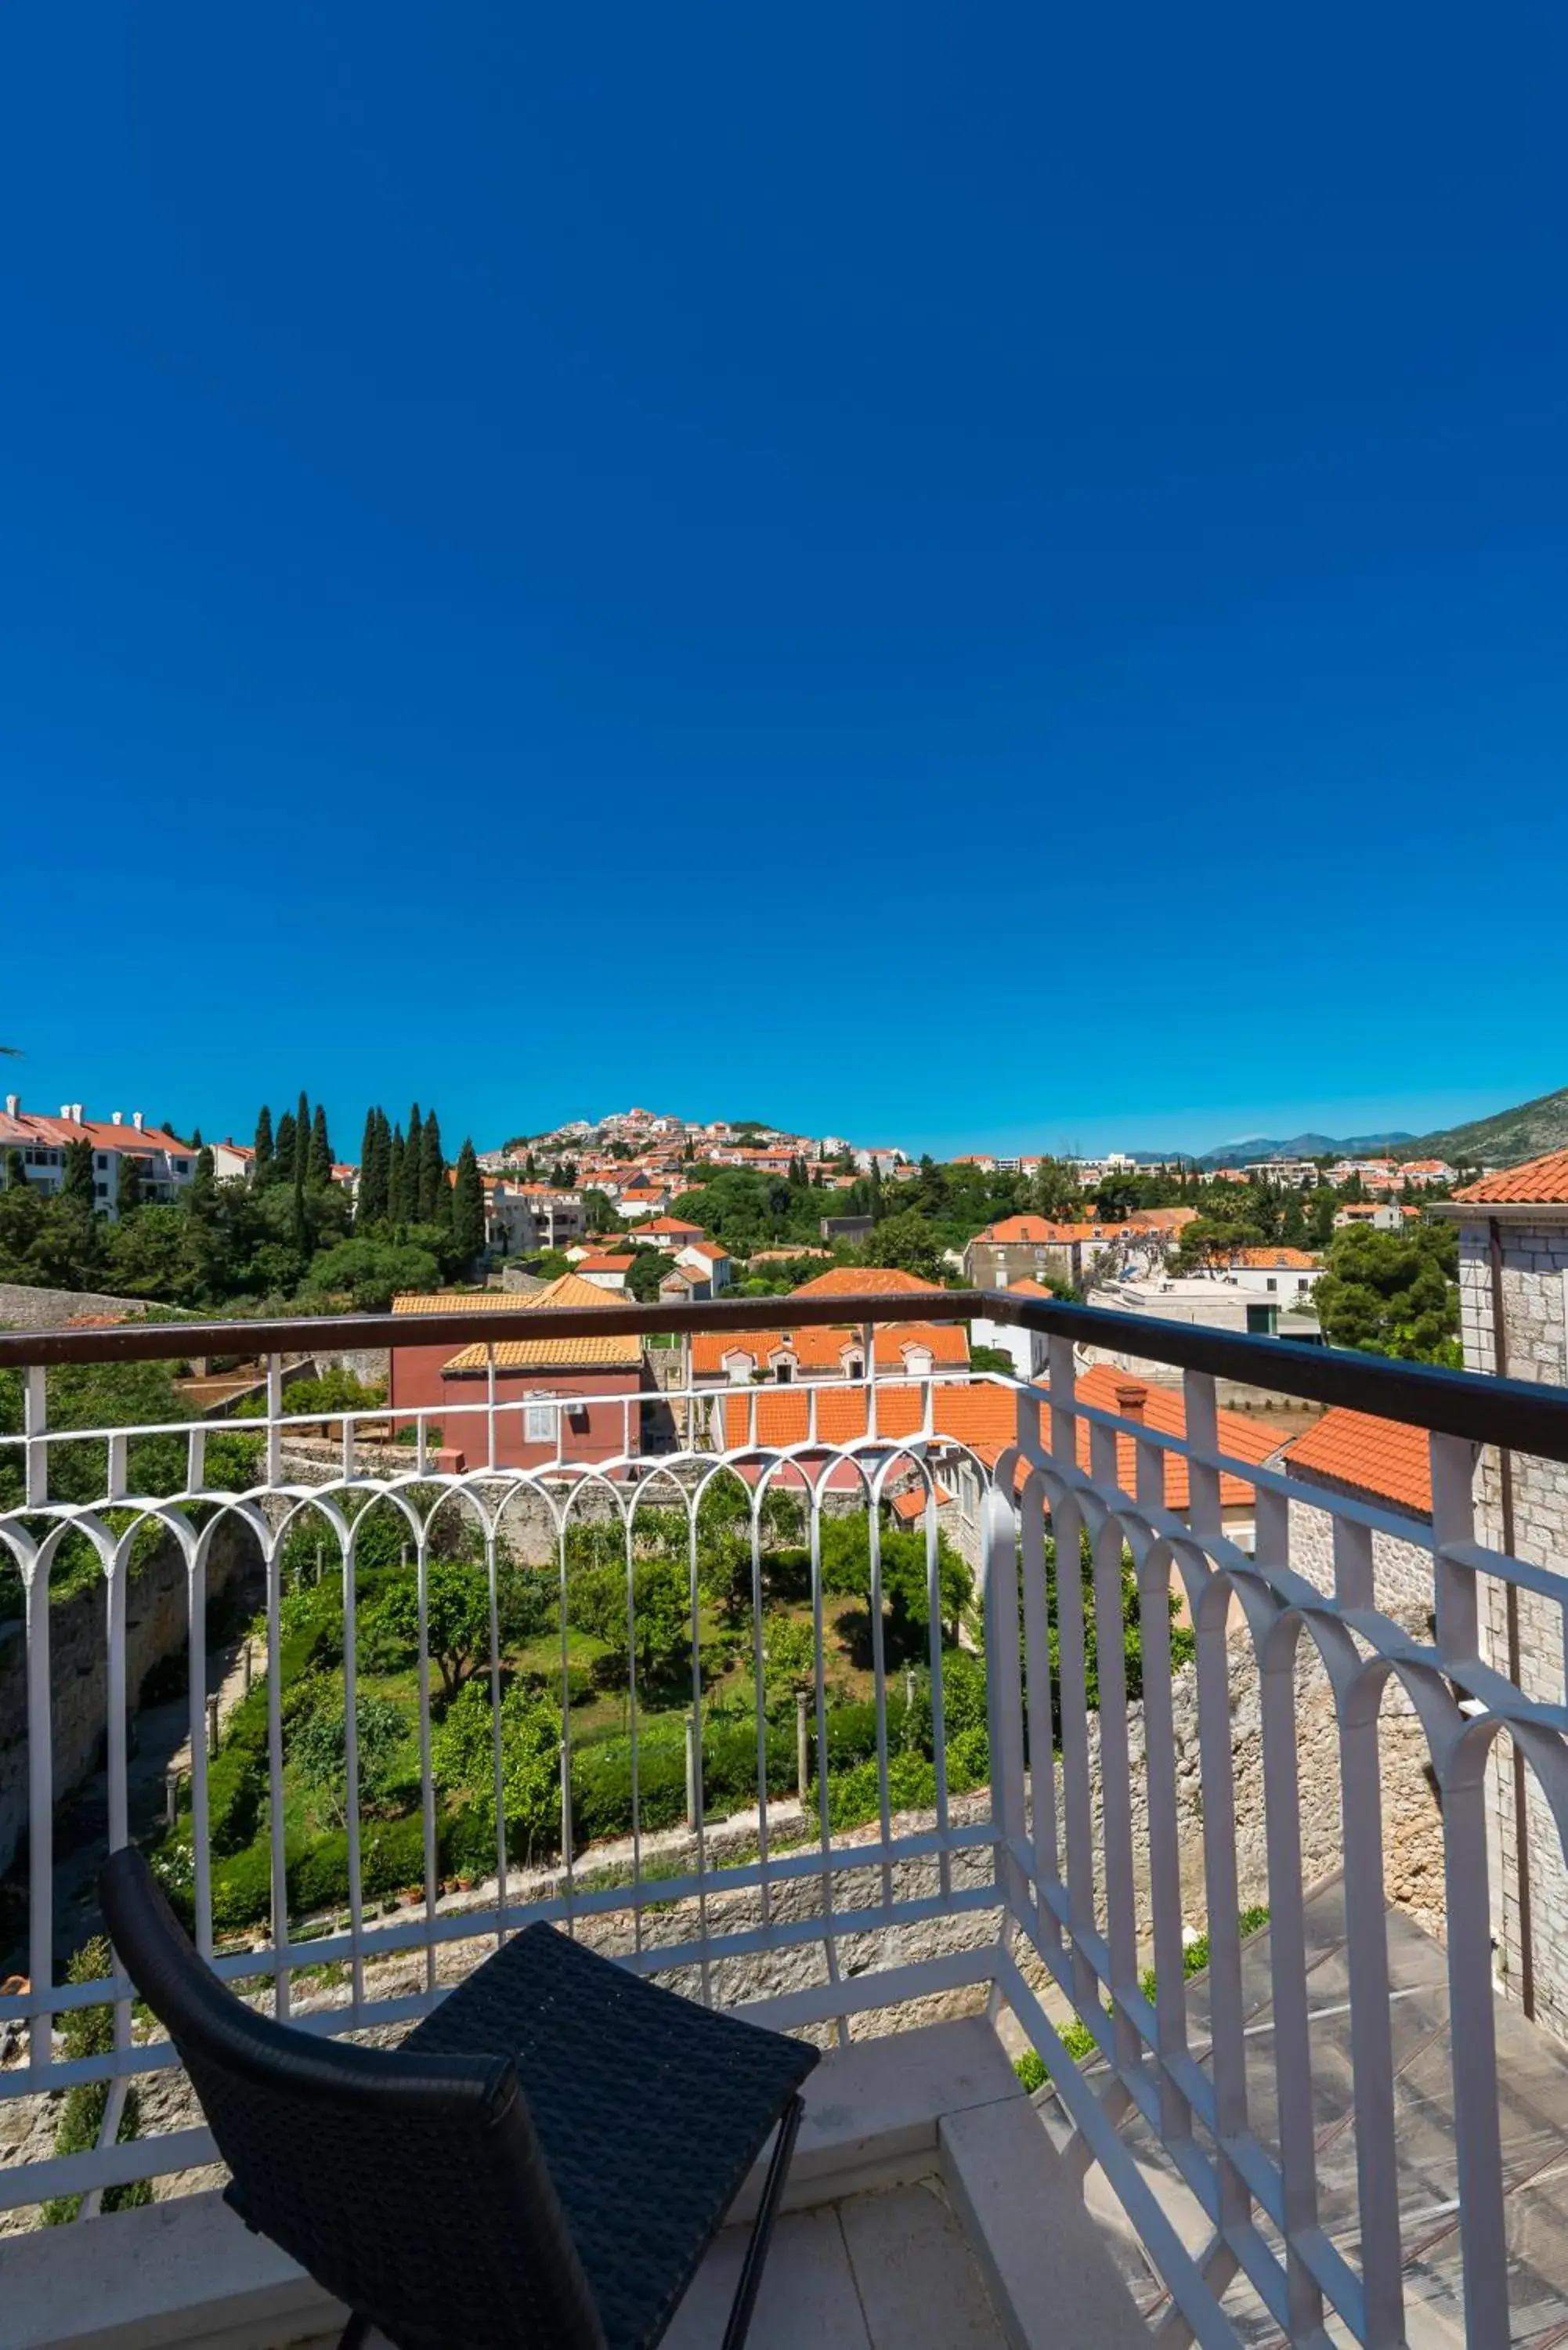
{"x": 181, "y": 1167}
{"x": 784, "y": 1373}
{"x": 855, "y": 1366}
{"x": 539, "y": 1420}
{"x": 1270, "y": 1282}
{"x": 100, "y": 1190}
{"x": 101, "y": 1162}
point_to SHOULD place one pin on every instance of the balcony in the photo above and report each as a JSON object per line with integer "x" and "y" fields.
{"x": 1156, "y": 1975}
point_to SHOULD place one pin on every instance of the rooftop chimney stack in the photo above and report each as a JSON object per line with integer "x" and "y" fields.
{"x": 13, "y": 1104}
{"x": 1131, "y": 1398}
{"x": 117, "y": 1115}
{"x": 136, "y": 1119}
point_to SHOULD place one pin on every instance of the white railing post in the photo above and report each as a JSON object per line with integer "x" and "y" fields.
{"x": 35, "y": 1420}
{"x": 1003, "y": 1691}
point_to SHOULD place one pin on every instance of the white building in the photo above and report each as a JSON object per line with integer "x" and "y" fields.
{"x": 520, "y": 1219}
{"x": 1289, "y": 1274}
{"x": 163, "y": 1162}
{"x": 1030, "y": 1350}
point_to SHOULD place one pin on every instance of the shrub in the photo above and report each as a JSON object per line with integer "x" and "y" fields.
{"x": 89, "y": 2031}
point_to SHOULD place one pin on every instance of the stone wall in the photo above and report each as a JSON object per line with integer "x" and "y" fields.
{"x": 1535, "y": 1331}
{"x": 155, "y": 1626}
{"x": 23, "y": 1307}
{"x": 1412, "y": 1823}
{"x": 1401, "y": 1571}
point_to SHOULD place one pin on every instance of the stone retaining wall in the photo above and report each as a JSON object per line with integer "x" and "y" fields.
{"x": 156, "y": 1626}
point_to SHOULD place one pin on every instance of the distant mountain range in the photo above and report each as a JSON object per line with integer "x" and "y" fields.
{"x": 1304, "y": 1146}
{"x": 1502, "y": 1140}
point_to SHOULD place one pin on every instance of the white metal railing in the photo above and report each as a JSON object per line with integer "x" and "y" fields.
{"x": 1060, "y": 1879}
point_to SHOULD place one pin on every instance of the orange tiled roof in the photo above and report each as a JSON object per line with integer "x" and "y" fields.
{"x": 606, "y": 1350}
{"x": 1287, "y": 1260}
{"x": 1384, "y": 1457}
{"x": 986, "y": 1418}
{"x": 605, "y": 1264}
{"x": 1026, "y": 1286}
{"x": 822, "y": 1346}
{"x": 1540, "y": 1181}
{"x": 912, "y": 1504}
{"x": 466, "y": 1301}
{"x": 1161, "y": 1220}
{"x": 860, "y": 1281}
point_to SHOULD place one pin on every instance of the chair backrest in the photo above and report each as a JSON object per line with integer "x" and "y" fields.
{"x": 412, "y": 2186}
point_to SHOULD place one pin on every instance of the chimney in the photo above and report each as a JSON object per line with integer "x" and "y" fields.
{"x": 116, "y": 1116}
{"x": 13, "y": 1104}
{"x": 136, "y": 1119}
{"x": 77, "y": 1112}
{"x": 1131, "y": 1396}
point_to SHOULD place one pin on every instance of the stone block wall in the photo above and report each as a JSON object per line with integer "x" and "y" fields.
{"x": 23, "y": 1307}
{"x": 1535, "y": 1332}
{"x": 156, "y": 1626}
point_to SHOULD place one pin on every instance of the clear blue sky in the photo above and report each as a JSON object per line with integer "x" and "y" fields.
{"x": 915, "y": 572}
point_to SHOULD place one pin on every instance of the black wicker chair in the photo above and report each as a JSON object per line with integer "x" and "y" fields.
{"x": 541, "y": 2164}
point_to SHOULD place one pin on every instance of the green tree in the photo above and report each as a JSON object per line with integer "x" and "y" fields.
{"x": 318, "y": 1748}
{"x": 397, "y": 1177}
{"x": 283, "y": 1151}
{"x": 458, "y": 1615}
{"x": 413, "y": 1148}
{"x": 661, "y": 1614}
{"x": 15, "y": 1171}
{"x": 467, "y": 1206}
{"x": 301, "y": 1169}
{"x": 373, "y": 1271}
{"x": 909, "y": 1242}
{"x": 77, "y": 1184}
{"x": 647, "y": 1269}
{"x": 432, "y": 1173}
{"x": 371, "y": 1207}
{"x": 462, "y": 1754}
{"x": 319, "y": 1167}
{"x": 264, "y": 1158}
{"x": 127, "y": 1185}
{"x": 1394, "y": 1294}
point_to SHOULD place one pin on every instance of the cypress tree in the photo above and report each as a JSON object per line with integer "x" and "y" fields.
{"x": 433, "y": 1172}
{"x": 264, "y": 1145}
{"x": 301, "y": 1228}
{"x": 77, "y": 1183}
{"x": 383, "y": 1164}
{"x": 300, "y": 1170}
{"x": 283, "y": 1152}
{"x": 370, "y": 1207}
{"x": 397, "y": 1164}
{"x": 320, "y": 1168}
{"x": 128, "y": 1186}
{"x": 413, "y": 1143}
{"x": 206, "y": 1172}
{"x": 467, "y": 1206}
{"x": 15, "y": 1171}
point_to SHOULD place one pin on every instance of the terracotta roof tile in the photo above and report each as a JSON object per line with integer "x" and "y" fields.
{"x": 1289, "y": 1259}
{"x": 823, "y": 1345}
{"x": 465, "y": 1301}
{"x": 860, "y": 1281}
{"x": 1383, "y": 1457}
{"x": 619, "y": 1350}
{"x": 985, "y": 1418}
{"x": 911, "y": 1505}
{"x": 1543, "y": 1182}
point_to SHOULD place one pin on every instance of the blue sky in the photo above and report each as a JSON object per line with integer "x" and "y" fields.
{"x": 971, "y": 577}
